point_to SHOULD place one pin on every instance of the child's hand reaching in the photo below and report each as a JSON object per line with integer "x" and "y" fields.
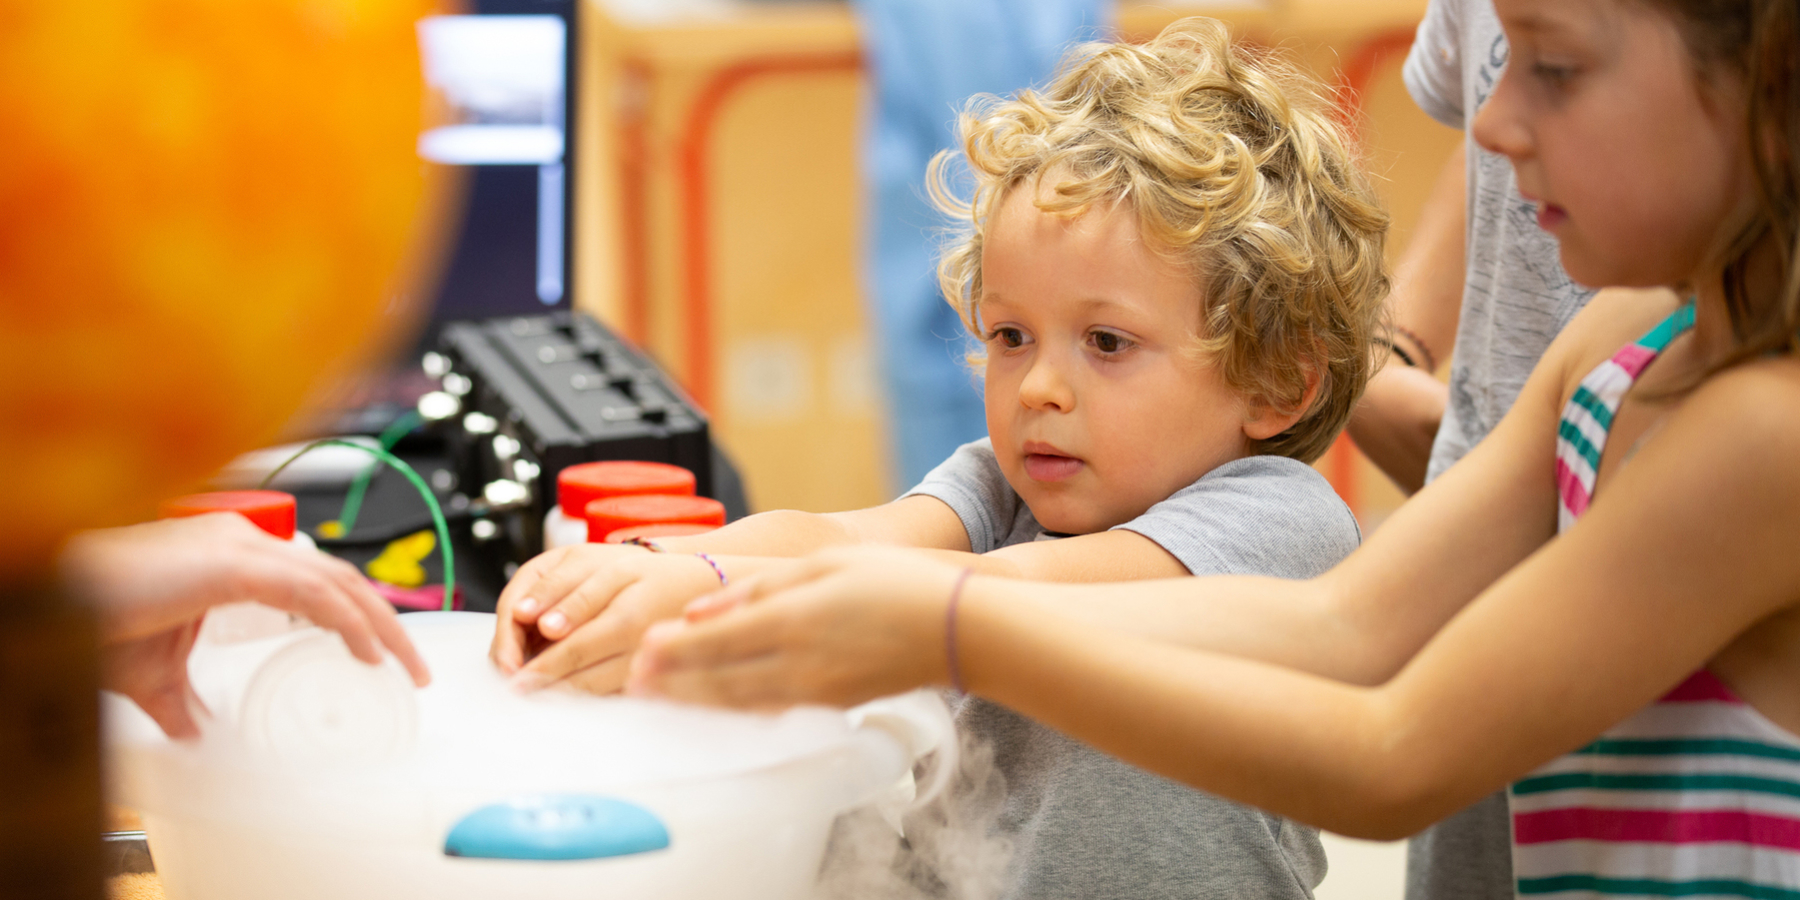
{"x": 838, "y": 628}
{"x": 153, "y": 583}
{"x": 573, "y": 615}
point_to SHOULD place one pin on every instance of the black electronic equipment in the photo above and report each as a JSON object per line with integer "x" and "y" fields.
{"x": 524, "y": 397}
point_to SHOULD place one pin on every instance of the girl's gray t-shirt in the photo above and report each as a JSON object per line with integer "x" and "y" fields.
{"x": 1084, "y": 824}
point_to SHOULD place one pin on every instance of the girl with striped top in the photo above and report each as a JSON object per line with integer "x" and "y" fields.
{"x": 1600, "y": 605}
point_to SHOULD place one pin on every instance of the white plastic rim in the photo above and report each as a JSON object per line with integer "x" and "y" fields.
{"x": 562, "y": 531}
{"x": 922, "y": 724}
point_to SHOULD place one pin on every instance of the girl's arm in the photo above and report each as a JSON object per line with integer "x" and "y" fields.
{"x": 1367, "y": 617}
{"x": 1684, "y": 550}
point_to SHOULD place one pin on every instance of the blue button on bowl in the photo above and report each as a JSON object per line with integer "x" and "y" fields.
{"x": 557, "y": 826}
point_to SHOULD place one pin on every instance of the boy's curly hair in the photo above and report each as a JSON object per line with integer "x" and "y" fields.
{"x": 1236, "y": 166}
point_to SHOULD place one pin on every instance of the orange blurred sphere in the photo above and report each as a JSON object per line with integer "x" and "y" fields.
{"x": 207, "y": 207}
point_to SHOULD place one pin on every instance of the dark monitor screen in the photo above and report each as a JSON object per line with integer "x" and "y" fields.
{"x": 505, "y": 71}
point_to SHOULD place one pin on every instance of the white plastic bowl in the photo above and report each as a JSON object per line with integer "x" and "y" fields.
{"x": 321, "y": 777}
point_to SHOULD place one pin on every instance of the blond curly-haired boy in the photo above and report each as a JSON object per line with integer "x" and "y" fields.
{"x": 1175, "y": 268}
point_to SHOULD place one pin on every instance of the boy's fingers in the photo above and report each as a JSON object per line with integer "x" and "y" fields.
{"x": 524, "y": 581}
{"x": 554, "y": 584}
{"x": 508, "y": 647}
{"x": 578, "y": 606}
{"x": 593, "y": 642}
{"x": 620, "y": 627}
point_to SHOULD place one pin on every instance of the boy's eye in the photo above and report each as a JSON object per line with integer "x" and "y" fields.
{"x": 1107, "y": 342}
{"x": 1007, "y": 337}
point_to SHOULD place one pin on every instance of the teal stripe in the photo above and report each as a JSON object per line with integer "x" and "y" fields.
{"x": 1678, "y": 321}
{"x": 1569, "y": 432}
{"x": 1649, "y": 887}
{"x": 1594, "y": 405}
{"x": 1689, "y": 746}
{"x": 1698, "y": 782}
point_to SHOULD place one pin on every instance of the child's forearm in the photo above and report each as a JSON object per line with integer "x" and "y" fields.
{"x": 782, "y": 532}
{"x": 1297, "y": 624}
{"x": 908, "y": 522}
{"x": 1211, "y": 721}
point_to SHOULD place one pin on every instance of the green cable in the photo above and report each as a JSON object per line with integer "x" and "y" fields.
{"x": 353, "y": 500}
{"x": 437, "y": 512}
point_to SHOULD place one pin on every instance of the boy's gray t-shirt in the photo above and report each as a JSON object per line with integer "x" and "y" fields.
{"x": 1086, "y": 825}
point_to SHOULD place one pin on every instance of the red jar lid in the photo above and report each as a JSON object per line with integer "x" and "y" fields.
{"x": 579, "y": 485}
{"x": 613, "y": 513}
{"x": 659, "y": 529}
{"x": 272, "y": 511}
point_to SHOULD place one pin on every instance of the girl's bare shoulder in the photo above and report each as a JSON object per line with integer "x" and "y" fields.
{"x": 1613, "y": 318}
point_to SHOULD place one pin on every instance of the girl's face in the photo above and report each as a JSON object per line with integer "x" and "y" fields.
{"x": 1096, "y": 407}
{"x": 1636, "y": 161}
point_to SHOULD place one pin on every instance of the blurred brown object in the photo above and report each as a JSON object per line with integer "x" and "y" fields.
{"x": 49, "y": 747}
{"x": 135, "y": 886}
{"x": 119, "y": 818}
{"x": 212, "y": 211}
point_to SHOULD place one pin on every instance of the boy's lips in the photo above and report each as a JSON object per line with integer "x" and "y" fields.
{"x": 1051, "y": 466}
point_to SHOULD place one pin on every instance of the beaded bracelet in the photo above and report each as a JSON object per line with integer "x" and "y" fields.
{"x": 642, "y": 542}
{"x": 950, "y": 649}
{"x": 715, "y": 567}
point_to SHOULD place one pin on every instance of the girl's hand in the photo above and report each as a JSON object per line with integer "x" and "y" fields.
{"x": 576, "y": 612}
{"x": 153, "y": 583}
{"x": 837, "y": 628}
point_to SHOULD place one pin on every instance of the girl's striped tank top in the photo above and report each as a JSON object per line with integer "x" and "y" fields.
{"x": 1697, "y": 795}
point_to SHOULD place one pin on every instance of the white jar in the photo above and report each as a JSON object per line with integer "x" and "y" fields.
{"x": 562, "y": 531}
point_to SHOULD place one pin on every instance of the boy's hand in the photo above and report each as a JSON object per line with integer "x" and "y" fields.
{"x": 153, "y": 583}
{"x": 573, "y": 615}
{"x": 838, "y": 628}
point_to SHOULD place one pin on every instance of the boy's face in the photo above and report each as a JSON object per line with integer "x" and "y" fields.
{"x": 1096, "y": 405}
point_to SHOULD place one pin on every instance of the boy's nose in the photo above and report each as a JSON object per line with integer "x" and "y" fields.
{"x": 1045, "y": 387}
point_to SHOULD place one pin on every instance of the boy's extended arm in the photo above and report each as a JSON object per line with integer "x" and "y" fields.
{"x": 1084, "y": 558}
{"x": 593, "y": 601}
{"x": 1397, "y": 419}
{"x": 915, "y": 521}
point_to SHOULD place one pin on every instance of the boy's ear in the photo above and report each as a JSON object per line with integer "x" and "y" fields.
{"x": 1263, "y": 420}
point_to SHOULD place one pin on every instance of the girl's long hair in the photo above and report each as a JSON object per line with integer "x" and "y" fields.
{"x": 1758, "y": 41}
